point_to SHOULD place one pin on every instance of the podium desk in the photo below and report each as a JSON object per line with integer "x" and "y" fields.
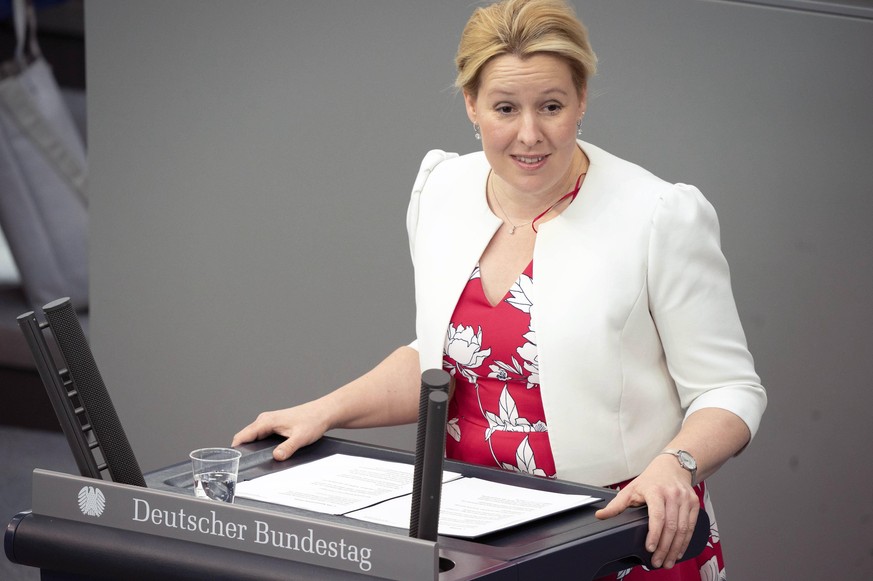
{"x": 67, "y": 541}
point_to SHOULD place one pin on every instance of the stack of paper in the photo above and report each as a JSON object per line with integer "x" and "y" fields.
{"x": 381, "y": 492}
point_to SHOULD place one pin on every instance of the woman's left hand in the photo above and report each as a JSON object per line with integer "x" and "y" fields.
{"x": 665, "y": 487}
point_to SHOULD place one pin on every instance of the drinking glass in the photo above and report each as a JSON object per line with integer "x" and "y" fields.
{"x": 215, "y": 471}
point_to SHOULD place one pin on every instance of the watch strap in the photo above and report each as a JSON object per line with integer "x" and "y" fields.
{"x": 678, "y": 454}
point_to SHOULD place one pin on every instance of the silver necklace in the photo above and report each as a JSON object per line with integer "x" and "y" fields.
{"x": 547, "y": 210}
{"x": 505, "y": 215}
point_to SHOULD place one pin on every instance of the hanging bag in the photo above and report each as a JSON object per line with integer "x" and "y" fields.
{"x": 43, "y": 203}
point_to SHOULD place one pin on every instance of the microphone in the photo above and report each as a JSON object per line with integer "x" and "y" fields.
{"x": 429, "y": 453}
{"x": 93, "y": 395}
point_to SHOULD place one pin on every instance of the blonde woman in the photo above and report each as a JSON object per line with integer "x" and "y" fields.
{"x": 582, "y": 305}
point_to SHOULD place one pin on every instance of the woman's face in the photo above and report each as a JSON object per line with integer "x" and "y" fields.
{"x": 527, "y": 111}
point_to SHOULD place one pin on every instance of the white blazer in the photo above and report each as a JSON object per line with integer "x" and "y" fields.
{"x": 634, "y": 316}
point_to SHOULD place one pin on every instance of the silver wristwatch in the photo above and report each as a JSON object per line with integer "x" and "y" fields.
{"x": 687, "y": 461}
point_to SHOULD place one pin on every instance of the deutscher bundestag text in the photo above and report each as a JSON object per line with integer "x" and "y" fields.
{"x": 211, "y": 524}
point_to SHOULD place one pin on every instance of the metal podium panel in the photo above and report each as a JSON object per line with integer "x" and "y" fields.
{"x": 229, "y": 526}
{"x": 575, "y": 541}
{"x": 571, "y": 545}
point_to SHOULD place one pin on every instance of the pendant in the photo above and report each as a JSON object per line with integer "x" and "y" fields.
{"x": 511, "y": 232}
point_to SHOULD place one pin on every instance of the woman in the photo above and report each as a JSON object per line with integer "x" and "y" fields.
{"x": 582, "y": 305}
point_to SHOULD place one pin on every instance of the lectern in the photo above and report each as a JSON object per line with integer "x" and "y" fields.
{"x": 151, "y": 527}
{"x": 82, "y": 528}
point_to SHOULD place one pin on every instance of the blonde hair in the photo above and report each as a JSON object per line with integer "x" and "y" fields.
{"x": 523, "y": 28}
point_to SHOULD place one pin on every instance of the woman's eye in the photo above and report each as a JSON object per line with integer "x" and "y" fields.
{"x": 553, "y": 107}
{"x": 504, "y": 109}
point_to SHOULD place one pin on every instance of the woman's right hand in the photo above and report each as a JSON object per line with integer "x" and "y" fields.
{"x": 387, "y": 395}
{"x": 300, "y": 425}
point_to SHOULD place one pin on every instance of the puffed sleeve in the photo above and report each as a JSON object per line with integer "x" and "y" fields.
{"x": 693, "y": 307}
{"x": 433, "y": 158}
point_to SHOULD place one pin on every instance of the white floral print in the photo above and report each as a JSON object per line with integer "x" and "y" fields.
{"x": 524, "y": 461}
{"x": 521, "y": 297}
{"x": 521, "y": 294}
{"x": 508, "y": 420}
{"x": 465, "y": 348}
{"x": 529, "y": 353}
{"x": 713, "y": 526}
{"x": 453, "y": 429}
{"x": 470, "y": 357}
{"x": 710, "y": 572}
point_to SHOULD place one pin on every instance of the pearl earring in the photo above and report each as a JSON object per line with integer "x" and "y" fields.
{"x": 477, "y": 134}
{"x": 579, "y": 124}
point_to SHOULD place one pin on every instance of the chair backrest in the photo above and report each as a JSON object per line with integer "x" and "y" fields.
{"x": 79, "y": 396}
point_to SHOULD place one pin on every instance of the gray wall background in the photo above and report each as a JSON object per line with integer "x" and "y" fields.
{"x": 250, "y": 168}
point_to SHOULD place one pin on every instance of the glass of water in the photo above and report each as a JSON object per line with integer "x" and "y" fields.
{"x": 215, "y": 471}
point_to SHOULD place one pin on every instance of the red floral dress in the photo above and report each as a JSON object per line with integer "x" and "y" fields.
{"x": 496, "y": 416}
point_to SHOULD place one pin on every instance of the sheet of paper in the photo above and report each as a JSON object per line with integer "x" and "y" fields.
{"x": 335, "y": 484}
{"x": 471, "y": 507}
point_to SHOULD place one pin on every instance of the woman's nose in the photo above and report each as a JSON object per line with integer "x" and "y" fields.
{"x": 529, "y": 131}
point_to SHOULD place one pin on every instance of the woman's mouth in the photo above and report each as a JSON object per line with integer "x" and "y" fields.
{"x": 530, "y": 161}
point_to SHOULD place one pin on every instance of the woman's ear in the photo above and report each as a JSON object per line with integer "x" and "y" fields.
{"x": 470, "y": 104}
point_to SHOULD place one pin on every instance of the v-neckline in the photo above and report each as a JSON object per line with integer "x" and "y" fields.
{"x": 506, "y": 294}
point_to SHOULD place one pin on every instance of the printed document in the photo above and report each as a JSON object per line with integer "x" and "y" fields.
{"x": 335, "y": 484}
{"x": 380, "y": 491}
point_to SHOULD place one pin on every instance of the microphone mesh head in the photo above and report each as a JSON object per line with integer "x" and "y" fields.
{"x": 87, "y": 380}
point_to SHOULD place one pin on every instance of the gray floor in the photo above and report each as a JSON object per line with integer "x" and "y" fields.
{"x": 22, "y": 450}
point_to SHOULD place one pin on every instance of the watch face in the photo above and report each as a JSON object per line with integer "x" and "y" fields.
{"x": 687, "y": 460}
